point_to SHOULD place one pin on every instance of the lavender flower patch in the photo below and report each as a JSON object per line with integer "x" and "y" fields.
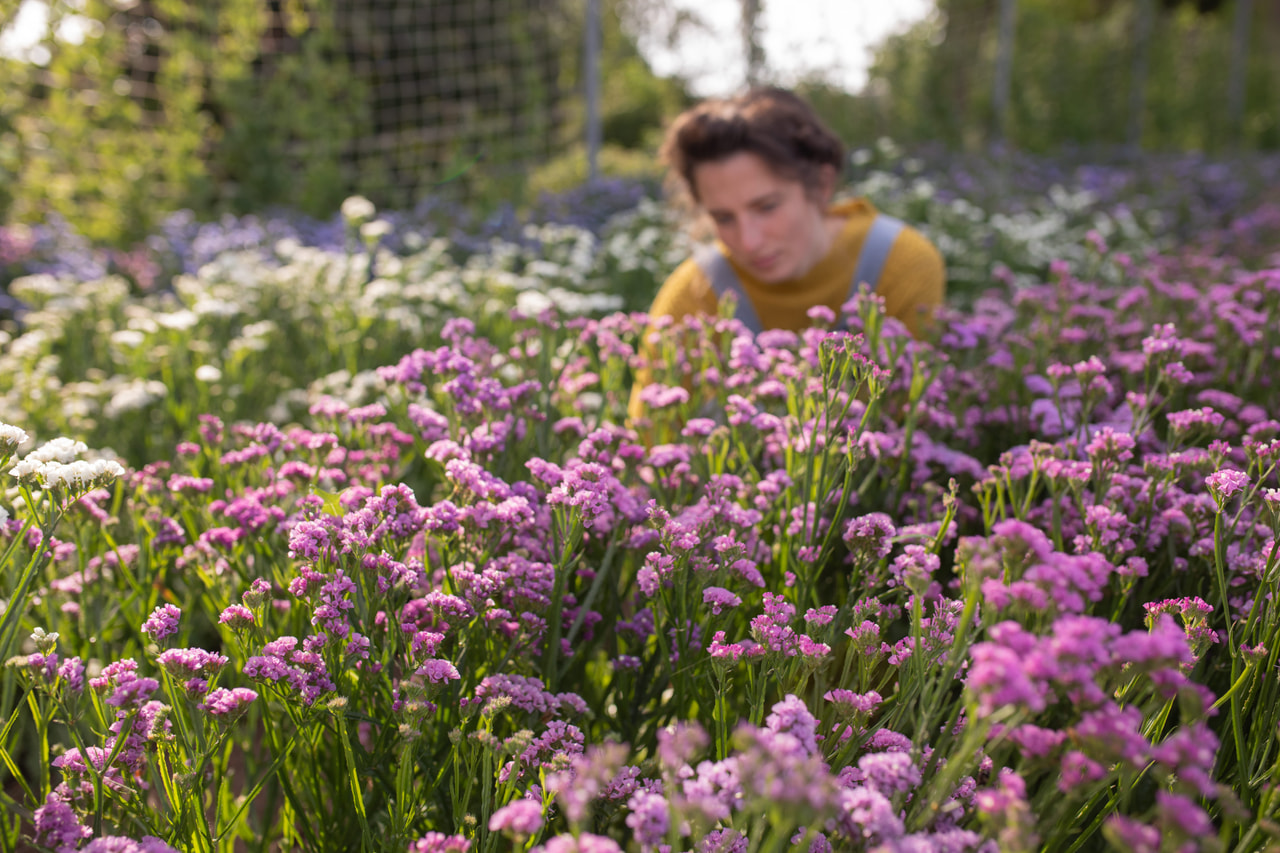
{"x": 1008, "y": 588}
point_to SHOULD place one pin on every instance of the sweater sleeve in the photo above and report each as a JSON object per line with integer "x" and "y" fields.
{"x": 913, "y": 282}
{"x": 685, "y": 292}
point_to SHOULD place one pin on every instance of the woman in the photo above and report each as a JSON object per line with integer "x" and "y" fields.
{"x": 763, "y": 168}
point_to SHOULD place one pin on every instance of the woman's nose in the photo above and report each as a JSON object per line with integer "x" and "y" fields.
{"x": 750, "y": 234}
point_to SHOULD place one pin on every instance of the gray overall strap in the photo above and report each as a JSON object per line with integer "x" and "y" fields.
{"x": 875, "y": 250}
{"x": 715, "y": 266}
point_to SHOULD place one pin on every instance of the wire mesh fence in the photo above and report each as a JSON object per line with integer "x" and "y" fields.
{"x": 121, "y": 109}
{"x": 117, "y": 112}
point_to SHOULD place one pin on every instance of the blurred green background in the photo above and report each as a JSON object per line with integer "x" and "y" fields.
{"x": 126, "y": 110}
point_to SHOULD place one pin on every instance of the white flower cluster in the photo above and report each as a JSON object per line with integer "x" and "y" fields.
{"x": 54, "y": 466}
{"x": 10, "y": 438}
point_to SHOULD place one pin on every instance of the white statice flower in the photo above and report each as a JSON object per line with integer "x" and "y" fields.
{"x": 4, "y": 515}
{"x": 10, "y": 438}
{"x": 38, "y": 290}
{"x": 27, "y": 471}
{"x": 138, "y": 394}
{"x": 357, "y": 209}
{"x": 44, "y": 642}
{"x": 128, "y": 338}
{"x": 531, "y": 303}
{"x": 81, "y": 475}
{"x": 287, "y": 247}
{"x": 61, "y": 450}
{"x": 372, "y": 232}
{"x": 178, "y": 321}
{"x": 208, "y": 373}
{"x": 207, "y": 306}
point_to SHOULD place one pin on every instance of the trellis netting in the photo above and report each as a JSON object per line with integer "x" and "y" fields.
{"x": 116, "y": 110}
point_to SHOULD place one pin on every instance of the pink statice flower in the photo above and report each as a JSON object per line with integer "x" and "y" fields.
{"x": 719, "y": 599}
{"x": 162, "y": 623}
{"x": 520, "y": 818}
{"x": 1225, "y": 484}
{"x": 57, "y": 827}
{"x": 227, "y": 705}
{"x": 438, "y": 842}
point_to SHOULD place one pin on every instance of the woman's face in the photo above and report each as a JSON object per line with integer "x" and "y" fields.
{"x": 769, "y": 223}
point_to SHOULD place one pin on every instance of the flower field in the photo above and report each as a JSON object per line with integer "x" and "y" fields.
{"x": 341, "y": 542}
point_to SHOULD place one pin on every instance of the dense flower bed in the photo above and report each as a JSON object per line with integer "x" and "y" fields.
{"x": 222, "y": 316}
{"x": 1009, "y": 588}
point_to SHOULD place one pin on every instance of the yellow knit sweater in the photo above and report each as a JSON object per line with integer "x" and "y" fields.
{"x": 912, "y": 283}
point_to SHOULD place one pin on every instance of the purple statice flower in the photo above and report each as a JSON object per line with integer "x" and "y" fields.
{"x": 1005, "y": 805}
{"x": 128, "y": 690}
{"x": 1224, "y": 484}
{"x": 849, "y": 704}
{"x": 57, "y": 827}
{"x": 237, "y": 617}
{"x": 303, "y": 669}
{"x": 584, "y": 843}
{"x": 714, "y": 790}
{"x": 914, "y": 568}
{"x": 791, "y": 717}
{"x": 184, "y": 483}
{"x": 724, "y": 841}
{"x": 1134, "y": 835}
{"x": 679, "y": 743}
{"x": 587, "y": 778}
{"x": 890, "y": 772}
{"x": 865, "y": 813}
{"x": 438, "y": 842}
{"x": 820, "y": 616}
{"x": 191, "y": 663}
{"x": 520, "y": 818}
{"x": 998, "y": 672}
{"x": 1037, "y": 742}
{"x": 438, "y": 671}
{"x": 1109, "y": 448}
{"x": 719, "y": 598}
{"x": 1188, "y": 419}
{"x": 71, "y": 671}
{"x": 1113, "y": 732}
{"x": 869, "y": 537}
{"x": 731, "y": 653}
{"x": 524, "y": 692}
{"x": 227, "y": 705}
{"x": 1078, "y": 769}
{"x": 162, "y": 623}
{"x": 1191, "y": 752}
{"x": 1183, "y": 815}
{"x": 649, "y": 818}
{"x": 658, "y": 396}
{"x": 121, "y": 844}
{"x": 1164, "y": 645}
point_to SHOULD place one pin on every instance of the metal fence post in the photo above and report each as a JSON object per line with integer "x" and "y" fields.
{"x": 1004, "y": 67}
{"x": 594, "y": 129}
{"x": 1239, "y": 70}
{"x": 1141, "y": 66}
{"x": 751, "y": 47}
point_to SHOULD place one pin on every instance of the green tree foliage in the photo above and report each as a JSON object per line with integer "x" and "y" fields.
{"x": 1073, "y": 76}
{"x": 240, "y": 105}
{"x": 164, "y": 104}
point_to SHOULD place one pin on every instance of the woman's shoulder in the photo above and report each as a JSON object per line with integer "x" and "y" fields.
{"x": 686, "y": 291}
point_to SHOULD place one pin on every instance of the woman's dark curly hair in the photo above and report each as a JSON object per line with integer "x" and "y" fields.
{"x": 776, "y": 125}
